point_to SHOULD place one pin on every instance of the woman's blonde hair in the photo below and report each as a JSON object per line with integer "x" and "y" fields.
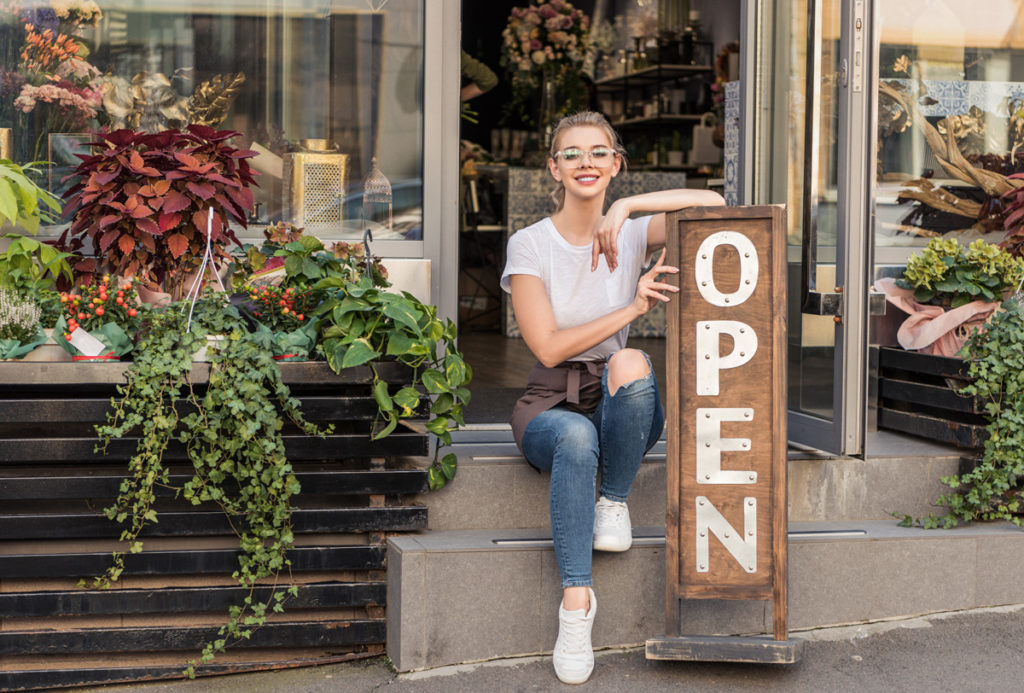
{"x": 582, "y": 119}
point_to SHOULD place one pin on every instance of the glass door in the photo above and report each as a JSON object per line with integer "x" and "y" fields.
{"x": 816, "y": 164}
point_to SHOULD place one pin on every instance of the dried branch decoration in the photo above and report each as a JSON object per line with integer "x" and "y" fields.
{"x": 213, "y": 98}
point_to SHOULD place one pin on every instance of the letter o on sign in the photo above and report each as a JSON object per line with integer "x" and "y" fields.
{"x": 704, "y": 273}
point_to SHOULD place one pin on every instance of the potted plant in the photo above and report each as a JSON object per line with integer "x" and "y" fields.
{"x": 32, "y": 269}
{"x": 100, "y": 320}
{"x": 22, "y": 202}
{"x": 143, "y": 202}
{"x": 19, "y": 326}
{"x": 360, "y": 323}
{"x": 949, "y": 291}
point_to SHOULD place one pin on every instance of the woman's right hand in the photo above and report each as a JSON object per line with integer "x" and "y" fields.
{"x": 649, "y": 289}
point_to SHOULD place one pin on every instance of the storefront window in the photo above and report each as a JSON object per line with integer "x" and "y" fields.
{"x": 328, "y": 92}
{"x": 951, "y": 118}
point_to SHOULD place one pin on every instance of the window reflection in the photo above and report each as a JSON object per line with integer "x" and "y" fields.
{"x": 335, "y": 78}
{"x": 951, "y": 118}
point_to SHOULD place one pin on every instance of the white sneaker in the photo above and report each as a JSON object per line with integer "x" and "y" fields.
{"x": 612, "y": 530}
{"x": 573, "y": 656}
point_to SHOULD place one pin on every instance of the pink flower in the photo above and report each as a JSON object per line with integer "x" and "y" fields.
{"x": 538, "y": 57}
{"x": 547, "y": 11}
{"x": 558, "y": 4}
{"x": 553, "y": 23}
{"x": 536, "y": 45}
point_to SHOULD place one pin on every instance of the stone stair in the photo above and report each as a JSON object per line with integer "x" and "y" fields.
{"x": 482, "y": 581}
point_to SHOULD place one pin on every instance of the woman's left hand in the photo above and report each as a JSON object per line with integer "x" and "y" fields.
{"x": 606, "y": 234}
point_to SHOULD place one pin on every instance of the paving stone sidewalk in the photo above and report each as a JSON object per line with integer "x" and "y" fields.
{"x": 965, "y": 652}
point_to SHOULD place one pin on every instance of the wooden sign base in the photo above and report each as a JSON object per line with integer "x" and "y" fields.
{"x": 726, "y": 520}
{"x": 759, "y": 649}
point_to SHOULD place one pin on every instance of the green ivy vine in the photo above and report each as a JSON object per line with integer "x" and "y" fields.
{"x": 994, "y": 489}
{"x": 232, "y": 434}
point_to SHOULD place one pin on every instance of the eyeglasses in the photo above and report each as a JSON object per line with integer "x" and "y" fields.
{"x": 600, "y": 157}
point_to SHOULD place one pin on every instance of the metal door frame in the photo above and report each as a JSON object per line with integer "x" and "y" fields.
{"x": 844, "y": 434}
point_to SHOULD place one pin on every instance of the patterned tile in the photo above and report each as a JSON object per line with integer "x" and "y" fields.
{"x": 955, "y": 97}
{"x": 731, "y": 154}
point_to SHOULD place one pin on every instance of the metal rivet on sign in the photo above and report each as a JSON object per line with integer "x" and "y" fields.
{"x": 746, "y": 414}
{"x": 753, "y": 477}
{"x": 746, "y": 254}
{"x": 702, "y": 566}
{"x": 750, "y": 534}
{"x": 707, "y": 416}
{"x": 704, "y": 257}
{"x": 742, "y": 354}
{"x": 700, "y": 502}
{"x": 727, "y": 300}
{"x": 707, "y": 356}
{"x": 707, "y": 445}
{"x": 725, "y": 534}
{"x": 707, "y": 327}
{"x": 746, "y": 281}
{"x": 750, "y": 502}
{"x": 750, "y": 568}
{"x": 702, "y": 533}
{"x": 742, "y": 330}
{"x": 707, "y": 476}
{"x": 746, "y": 445}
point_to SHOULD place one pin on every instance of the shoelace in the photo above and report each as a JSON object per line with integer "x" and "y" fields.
{"x": 575, "y": 636}
{"x": 610, "y": 512}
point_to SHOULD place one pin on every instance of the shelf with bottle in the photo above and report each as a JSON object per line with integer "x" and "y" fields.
{"x": 652, "y": 75}
{"x": 658, "y": 119}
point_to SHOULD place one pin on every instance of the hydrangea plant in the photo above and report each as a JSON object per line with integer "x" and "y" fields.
{"x": 945, "y": 273}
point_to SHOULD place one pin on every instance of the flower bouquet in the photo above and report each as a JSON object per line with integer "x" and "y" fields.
{"x": 99, "y": 322}
{"x": 20, "y": 332}
{"x": 543, "y": 47}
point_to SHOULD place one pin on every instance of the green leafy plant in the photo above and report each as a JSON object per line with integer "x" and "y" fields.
{"x": 994, "y": 489}
{"x": 144, "y": 199}
{"x": 232, "y": 437}
{"x": 29, "y": 265}
{"x": 361, "y": 323}
{"x": 109, "y": 312}
{"x": 945, "y": 273}
{"x": 22, "y": 202}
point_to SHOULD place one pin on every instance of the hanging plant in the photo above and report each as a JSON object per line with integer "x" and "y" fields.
{"x": 360, "y": 323}
{"x": 234, "y": 443}
{"x": 143, "y": 201}
{"x": 994, "y": 489}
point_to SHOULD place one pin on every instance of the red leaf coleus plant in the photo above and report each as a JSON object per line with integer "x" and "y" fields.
{"x": 143, "y": 199}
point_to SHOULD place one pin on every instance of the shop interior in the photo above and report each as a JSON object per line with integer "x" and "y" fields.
{"x": 657, "y": 69}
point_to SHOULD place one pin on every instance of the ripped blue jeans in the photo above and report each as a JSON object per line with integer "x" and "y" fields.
{"x": 572, "y": 446}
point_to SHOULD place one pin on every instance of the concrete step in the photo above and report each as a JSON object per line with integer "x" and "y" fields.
{"x": 462, "y": 596}
{"x": 497, "y": 489}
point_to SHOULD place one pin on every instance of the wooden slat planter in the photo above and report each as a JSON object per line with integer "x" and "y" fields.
{"x": 917, "y": 395}
{"x": 54, "y": 485}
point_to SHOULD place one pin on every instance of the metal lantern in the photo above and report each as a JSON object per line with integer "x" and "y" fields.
{"x": 377, "y": 201}
{"x": 314, "y": 190}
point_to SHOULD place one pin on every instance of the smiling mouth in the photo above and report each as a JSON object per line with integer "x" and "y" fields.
{"x": 586, "y": 179}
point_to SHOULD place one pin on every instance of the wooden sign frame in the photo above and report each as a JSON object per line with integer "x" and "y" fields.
{"x": 726, "y": 518}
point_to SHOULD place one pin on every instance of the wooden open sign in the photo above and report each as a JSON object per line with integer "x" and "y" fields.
{"x": 726, "y": 517}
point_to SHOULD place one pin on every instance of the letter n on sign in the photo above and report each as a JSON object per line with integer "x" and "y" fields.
{"x": 725, "y": 528}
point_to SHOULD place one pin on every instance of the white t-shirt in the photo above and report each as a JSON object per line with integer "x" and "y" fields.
{"x": 578, "y": 295}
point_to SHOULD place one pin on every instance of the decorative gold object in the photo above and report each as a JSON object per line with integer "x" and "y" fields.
{"x": 314, "y": 187}
{"x": 377, "y": 200}
{"x": 151, "y": 103}
{"x": 213, "y": 98}
{"x": 6, "y": 143}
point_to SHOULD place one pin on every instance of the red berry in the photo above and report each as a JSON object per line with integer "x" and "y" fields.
{"x": 120, "y": 293}
{"x": 100, "y": 311}
{"x": 132, "y": 312}
{"x": 120, "y": 301}
{"x": 284, "y": 311}
{"x": 67, "y": 337}
{"x": 81, "y": 316}
{"x": 299, "y": 316}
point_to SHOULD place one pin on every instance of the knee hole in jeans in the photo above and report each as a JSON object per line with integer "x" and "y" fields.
{"x": 625, "y": 366}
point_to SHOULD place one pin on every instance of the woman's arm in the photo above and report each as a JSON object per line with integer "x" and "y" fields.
{"x": 657, "y": 202}
{"x": 551, "y": 345}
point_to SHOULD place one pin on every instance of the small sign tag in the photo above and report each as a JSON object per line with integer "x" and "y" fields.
{"x": 86, "y": 343}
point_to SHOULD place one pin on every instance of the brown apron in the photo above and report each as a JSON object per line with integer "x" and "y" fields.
{"x": 576, "y": 383}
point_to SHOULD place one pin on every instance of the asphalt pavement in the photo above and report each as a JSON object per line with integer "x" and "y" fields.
{"x": 964, "y": 652}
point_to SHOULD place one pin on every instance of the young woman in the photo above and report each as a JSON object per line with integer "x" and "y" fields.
{"x": 576, "y": 285}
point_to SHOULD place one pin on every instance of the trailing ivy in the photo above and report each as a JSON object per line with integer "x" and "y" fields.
{"x": 233, "y": 438}
{"x": 994, "y": 489}
{"x": 360, "y": 323}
